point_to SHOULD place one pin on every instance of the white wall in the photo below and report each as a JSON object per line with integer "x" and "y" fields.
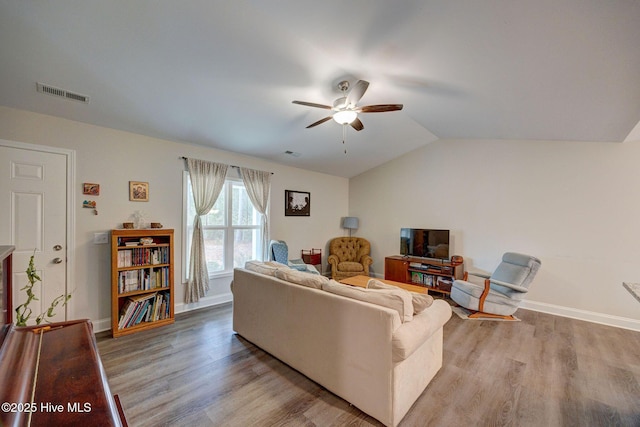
{"x": 574, "y": 205}
{"x": 112, "y": 158}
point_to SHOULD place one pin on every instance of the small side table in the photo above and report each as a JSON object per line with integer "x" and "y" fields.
{"x": 313, "y": 257}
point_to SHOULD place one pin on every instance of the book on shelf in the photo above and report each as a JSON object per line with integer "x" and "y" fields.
{"x": 125, "y": 312}
{"x": 143, "y": 279}
{"x": 422, "y": 278}
{"x": 144, "y": 308}
{"x": 143, "y": 256}
{"x": 427, "y": 280}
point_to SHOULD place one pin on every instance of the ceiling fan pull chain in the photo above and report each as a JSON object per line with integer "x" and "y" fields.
{"x": 345, "y": 110}
{"x": 344, "y": 135}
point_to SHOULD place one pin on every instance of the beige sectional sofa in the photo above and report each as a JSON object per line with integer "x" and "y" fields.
{"x": 375, "y": 357}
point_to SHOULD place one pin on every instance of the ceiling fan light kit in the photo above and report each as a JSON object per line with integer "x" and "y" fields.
{"x": 345, "y": 117}
{"x": 345, "y": 111}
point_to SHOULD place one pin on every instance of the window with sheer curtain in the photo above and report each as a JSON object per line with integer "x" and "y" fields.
{"x": 232, "y": 232}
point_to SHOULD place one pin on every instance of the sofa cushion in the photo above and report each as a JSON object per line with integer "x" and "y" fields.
{"x": 276, "y": 264}
{"x": 350, "y": 266}
{"x": 269, "y": 268}
{"x": 301, "y": 278}
{"x": 420, "y": 301}
{"x": 390, "y": 298}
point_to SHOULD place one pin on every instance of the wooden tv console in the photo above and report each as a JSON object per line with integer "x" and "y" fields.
{"x": 434, "y": 274}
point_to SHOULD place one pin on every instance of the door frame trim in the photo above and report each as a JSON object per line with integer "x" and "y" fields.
{"x": 70, "y": 156}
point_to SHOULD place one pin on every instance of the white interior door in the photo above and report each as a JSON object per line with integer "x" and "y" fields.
{"x": 33, "y": 218}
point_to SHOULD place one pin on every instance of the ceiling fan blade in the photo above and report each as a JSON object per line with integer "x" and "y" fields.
{"x": 357, "y": 124}
{"x": 312, "y": 104}
{"x": 382, "y": 108}
{"x": 319, "y": 122}
{"x": 357, "y": 92}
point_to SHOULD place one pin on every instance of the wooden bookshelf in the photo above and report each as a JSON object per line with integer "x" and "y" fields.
{"x": 142, "y": 295}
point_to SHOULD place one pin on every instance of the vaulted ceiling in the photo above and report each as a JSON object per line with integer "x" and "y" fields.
{"x": 223, "y": 73}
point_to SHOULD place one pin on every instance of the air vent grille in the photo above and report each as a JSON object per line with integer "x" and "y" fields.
{"x": 50, "y": 90}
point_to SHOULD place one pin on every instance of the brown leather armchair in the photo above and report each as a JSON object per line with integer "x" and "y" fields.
{"x": 349, "y": 256}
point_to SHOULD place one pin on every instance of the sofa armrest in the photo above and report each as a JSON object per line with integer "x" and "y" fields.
{"x": 411, "y": 335}
{"x": 333, "y": 261}
{"x": 366, "y": 261}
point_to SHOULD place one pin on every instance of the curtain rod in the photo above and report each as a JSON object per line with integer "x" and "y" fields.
{"x": 233, "y": 166}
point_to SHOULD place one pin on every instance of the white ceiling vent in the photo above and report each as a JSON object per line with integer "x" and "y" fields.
{"x": 50, "y": 90}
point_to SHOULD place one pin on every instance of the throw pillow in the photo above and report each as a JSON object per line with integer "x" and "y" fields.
{"x": 420, "y": 301}
{"x": 305, "y": 279}
{"x": 396, "y": 299}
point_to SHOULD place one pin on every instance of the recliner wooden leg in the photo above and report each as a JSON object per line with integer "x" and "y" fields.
{"x": 481, "y": 314}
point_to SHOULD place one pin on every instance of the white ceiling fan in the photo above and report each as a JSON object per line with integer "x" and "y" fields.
{"x": 345, "y": 109}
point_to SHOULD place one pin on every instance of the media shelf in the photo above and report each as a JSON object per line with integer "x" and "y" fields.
{"x": 141, "y": 280}
{"x": 434, "y": 274}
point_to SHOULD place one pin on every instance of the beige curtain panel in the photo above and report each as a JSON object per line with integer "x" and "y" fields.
{"x": 258, "y": 186}
{"x": 207, "y": 180}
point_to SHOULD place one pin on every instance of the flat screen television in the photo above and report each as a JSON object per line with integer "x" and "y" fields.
{"x": 424, "y": 243}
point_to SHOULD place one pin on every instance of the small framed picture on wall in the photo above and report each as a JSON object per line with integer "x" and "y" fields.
{"x": 91, "y": 189}
{"x": 138, "y": 191}
{"x": 297, "y": 203}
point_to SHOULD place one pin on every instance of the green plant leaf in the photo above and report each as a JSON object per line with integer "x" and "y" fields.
{"x": 23, "y": 312}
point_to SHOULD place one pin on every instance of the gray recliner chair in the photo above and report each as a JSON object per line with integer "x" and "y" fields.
{"x": 502, "y": 291}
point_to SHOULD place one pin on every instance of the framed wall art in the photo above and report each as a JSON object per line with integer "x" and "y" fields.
{"x": 91, "y": 189}
{"x": 138, "y": 191}
{"x": 297, "y": 203}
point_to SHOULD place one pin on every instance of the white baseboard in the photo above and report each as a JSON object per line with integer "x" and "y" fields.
{"x": 204, "y": 302}
{"x": 573, "y": 313}
{"x": 588, "y": 316}
{"x": 101, "y": 325}
{"x": 105, "y": 324}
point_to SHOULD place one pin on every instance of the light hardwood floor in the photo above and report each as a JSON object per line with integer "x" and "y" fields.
{"x": 542, "y": 371}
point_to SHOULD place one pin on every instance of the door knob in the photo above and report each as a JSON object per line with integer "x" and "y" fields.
{"x": 57, "y": 260}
